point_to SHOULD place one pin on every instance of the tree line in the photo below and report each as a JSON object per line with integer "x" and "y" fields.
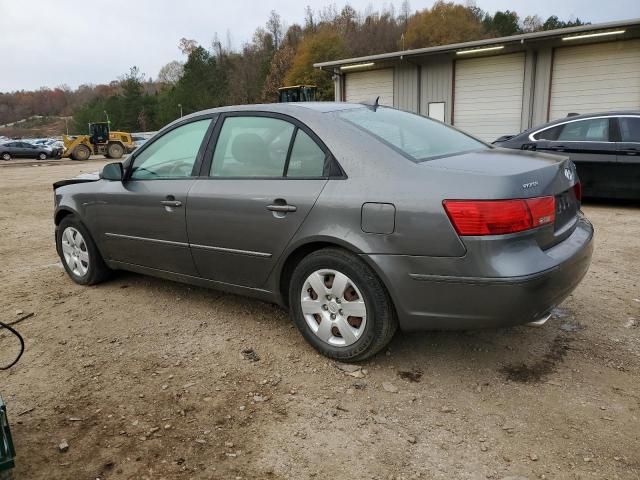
{"x": 217, "y": 75}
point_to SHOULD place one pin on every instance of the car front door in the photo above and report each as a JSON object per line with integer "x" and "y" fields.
{"x": 261, "y": 176}
{"x": 23, "y": 149}
{"x": 142, "y": 219}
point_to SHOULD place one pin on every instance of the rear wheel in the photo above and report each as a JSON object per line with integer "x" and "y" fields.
{"x": 115, "y": 150}
{"x": 6, "y": 156}
{"x": 340, "y": 305}
{"x": 81, "y": 152}
{"x": 79, "y": 254}
{"x": 6, "y": 475}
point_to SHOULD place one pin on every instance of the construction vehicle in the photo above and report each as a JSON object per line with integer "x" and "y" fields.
{"x": 297, "y": 93}
{"x": 100, "y": 141}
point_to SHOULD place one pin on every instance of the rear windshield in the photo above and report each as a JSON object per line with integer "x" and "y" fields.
{"x": 417, "y": 138}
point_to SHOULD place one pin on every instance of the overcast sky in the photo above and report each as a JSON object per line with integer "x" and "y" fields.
{"x": 50, "y": 43}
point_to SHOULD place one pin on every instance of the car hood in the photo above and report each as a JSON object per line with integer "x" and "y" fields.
{"x": 82, "y": 178}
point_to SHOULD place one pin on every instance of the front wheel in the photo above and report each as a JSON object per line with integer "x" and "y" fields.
{"x": 340, "y": 305}
{"x": 79, "y": 254}
{"x": 42, "y": 156}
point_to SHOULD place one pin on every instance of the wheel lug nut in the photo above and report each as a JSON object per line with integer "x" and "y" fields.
{"x": 324, "y": 306}
{"x": 328, "y": 297}
{"x": 338, "y": 300}
{"x": 333, "y": 316}
{"x": 340, "y": 312}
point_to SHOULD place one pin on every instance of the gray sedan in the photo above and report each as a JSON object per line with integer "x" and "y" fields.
{"x": 22, "y": 149}
{"x": 358, "y": 219}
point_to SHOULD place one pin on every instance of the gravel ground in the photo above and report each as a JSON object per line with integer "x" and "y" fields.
{"x": 148, "y": 379}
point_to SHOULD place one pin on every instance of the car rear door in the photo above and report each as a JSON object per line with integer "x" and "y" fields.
{"x": 583, "y": 140}
{"x": 261, "y": 176}
{"x": 142, "y": 219}
{"x": 628, "y": 146}
{"x": 628, "y": 157}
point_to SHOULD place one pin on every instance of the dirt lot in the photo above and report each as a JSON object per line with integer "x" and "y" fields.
{"x": 146, "y": 378}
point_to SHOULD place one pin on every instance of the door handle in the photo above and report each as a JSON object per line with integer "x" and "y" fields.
{"x": 282, "y": 208}
{"x": 171, "y": 203}
{"x": 559, "y": 148}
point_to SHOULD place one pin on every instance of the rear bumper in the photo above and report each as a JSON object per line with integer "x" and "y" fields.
{"x": 456, "y": 297}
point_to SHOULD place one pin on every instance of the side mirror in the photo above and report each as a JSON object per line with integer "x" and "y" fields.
{"x": 112, "y": 171}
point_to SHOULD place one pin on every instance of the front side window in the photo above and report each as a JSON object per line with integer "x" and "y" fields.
{"x": 416, "y": 137}
{"x": 172, "y": 155}
{"x": 592, "y": 130}
{"x": 630, "y": 129}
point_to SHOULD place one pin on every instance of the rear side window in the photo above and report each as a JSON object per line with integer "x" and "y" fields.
{"x": 252, "y": 147}
{"x": 417, "y": 138}
{"x": 630, "y": 129}
{"x": 549, "y": 133}
{"x": 593, "y": 130}
{"x": 307, "y": 158}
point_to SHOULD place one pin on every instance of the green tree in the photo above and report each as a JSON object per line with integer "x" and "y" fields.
{"x": 502, "y": 24}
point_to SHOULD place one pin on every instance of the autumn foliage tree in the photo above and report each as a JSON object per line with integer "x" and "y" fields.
{"x": 323, "y": 45}
{"x": 443, "y": 23}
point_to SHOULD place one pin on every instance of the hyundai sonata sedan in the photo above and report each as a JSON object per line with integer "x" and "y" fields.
{"x": 358, "y": 219}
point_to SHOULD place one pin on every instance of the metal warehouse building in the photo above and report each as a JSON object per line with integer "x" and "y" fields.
{"x": 502, "y": 86}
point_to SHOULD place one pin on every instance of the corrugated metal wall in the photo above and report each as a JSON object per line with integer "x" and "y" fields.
{"x": 405, "y": 87}
{"x": 437, "y": 78}
{"x": 542, "y": 76}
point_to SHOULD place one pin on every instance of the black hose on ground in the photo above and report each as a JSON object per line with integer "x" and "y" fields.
{"x": 15, "y": 332}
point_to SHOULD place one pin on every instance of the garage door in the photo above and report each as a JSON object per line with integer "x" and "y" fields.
{"x": 488, "y": 95}
{"x": 366, "y": 86}
{"x": 595, "y": 78}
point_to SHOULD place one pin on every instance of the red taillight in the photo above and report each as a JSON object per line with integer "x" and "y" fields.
{"x": 577, "y": 189}
{"x": 495, "y": 217}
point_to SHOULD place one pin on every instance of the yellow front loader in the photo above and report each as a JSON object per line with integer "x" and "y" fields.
{"x": 101, "y": 141}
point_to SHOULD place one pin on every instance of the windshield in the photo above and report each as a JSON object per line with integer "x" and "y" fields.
{"x": 417, "y": 138}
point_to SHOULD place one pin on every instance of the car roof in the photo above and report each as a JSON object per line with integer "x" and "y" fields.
{"x": 287, "y": 108}
{"x": 588, "y": 115}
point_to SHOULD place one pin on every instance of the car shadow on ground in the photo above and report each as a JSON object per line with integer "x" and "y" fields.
{"x": 519, "y": 354}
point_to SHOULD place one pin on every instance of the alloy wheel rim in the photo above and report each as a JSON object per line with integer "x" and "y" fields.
{"x": 75, "y": 252}
{"x": 333, "y": 307}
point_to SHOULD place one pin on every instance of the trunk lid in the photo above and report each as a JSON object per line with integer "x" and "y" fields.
{"x": 498, "y": 173}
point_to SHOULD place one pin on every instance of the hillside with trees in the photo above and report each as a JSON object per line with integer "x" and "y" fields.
{"x": 214, "y": 75}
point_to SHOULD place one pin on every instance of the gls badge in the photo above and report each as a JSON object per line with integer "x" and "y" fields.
{"x": 568, "y": 173}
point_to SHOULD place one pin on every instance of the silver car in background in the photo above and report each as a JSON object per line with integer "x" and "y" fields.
{"x": 358, "y": 219}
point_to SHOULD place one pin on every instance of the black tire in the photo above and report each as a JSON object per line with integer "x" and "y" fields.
{"x": 42, "y": 156}
{"x": 96, "y": 270}
{"x": 81, "y": 152}
{"x": 6, "y": 475}
{"x": 115, "y": 150}
{"x": 6, "y": 156}
{"x": 381, "y": 321}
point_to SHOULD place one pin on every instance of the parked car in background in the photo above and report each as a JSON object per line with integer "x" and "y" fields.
{"x": 24, "y": 149}
{"x": 605, "y": 148}
{"x": 359, "y": 219}
{"x": 57, "y": 146}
